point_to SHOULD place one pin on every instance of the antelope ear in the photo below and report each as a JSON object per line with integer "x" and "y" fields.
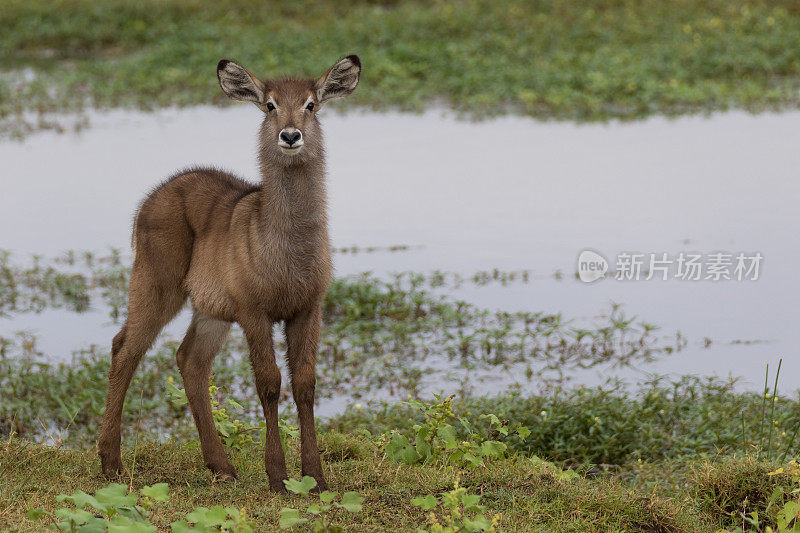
{"x": 340, "y": 80}
{"x": 239, "y": 84}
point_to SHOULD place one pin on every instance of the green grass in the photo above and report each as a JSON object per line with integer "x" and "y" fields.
{"x": 527, "y": 495}
{"x": 548, "y": 59}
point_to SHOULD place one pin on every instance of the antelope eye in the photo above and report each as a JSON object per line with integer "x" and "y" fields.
{"x": 270, "y": 106}
{"x": 310, "y": 106}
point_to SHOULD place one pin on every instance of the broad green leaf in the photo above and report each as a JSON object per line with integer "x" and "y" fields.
{"x": 79, "y": 516}
{"x": 327, "y": 496}
{"x": 134, "y": 513}
{"x": 472, "y": 460}
{"x": 523, "y": 432}
{"x": 80, "y": 499}
{"x": 351, "y": 502}
{"x": 80, "y": 520}
{"x": 182, "y": 526}
{"x": 198, "y": 515}
{"x": 116, "y": 495}
{"x": 478, "y": 523}
{"x": 287, "y": 429}
{"x": 777, "y": 493}
{"x": 409, "y": 455}
{"x": 290, "y": 518}
{"x": 401, "y": 451}
{"x": 300, "y": 487}
{"x": 176, "y": 396}
{"x": 416, "y": 404}
{"x": 788, "y": 514}
{"x": 121, "y": 524}
{"x": 423, "y": 448}
{"x": 427, "y": 503}
{"x": 456, "y": 456}
{"x": 216, "y": 516}
{"x": 470, "y": 501}
{"x": 94, "y": 525}
{"x": 158, "y": 492}
{"x": 396, "y": 443}
{"x": 493, "y": 420}
{"x": 314, "y": 509}
{"x": 230, "y": 401}
{"x": 492, "y": 448}
{"x": 447, "y": 433}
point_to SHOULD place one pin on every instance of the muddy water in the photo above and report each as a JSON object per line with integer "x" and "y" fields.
{"x": 509, "y": 193}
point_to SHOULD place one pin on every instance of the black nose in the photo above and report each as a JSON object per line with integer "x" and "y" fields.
{"x": 291, "y": 138}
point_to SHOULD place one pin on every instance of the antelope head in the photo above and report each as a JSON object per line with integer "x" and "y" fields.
{"x": 290, "y": 132}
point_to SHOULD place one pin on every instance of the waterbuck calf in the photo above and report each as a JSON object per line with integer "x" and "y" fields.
{"x": 241, "y": 253}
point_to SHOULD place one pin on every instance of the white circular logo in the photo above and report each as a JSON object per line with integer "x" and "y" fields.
{"x": 591, "y": 266}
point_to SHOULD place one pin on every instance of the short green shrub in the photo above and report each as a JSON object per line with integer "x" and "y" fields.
{"x": 437, "y": 439}
{"x": 116, "y": 510}
{"x": 455, "y": 511}
{"x": 112, "y": 508}
{"x": 321, "y": 514}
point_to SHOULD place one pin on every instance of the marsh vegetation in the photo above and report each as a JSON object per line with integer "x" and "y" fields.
{"x": 668, "y": 454}
{"x": 550, "y": 59}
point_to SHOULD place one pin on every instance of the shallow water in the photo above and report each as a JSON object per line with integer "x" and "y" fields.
{"x": 510, "y": 193}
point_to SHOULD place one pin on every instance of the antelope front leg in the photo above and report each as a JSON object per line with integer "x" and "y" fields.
{"x": 302, "y": 337}
{"x": 268, "y": 386}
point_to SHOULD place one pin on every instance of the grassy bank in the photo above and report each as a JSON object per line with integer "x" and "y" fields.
{"x": 528, "y": 495}
{"x": 550, "y": 58}
{"x": 520, "y": 494}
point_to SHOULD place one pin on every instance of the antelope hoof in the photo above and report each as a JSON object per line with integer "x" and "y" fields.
{"x": 277, "y": 488}
{"x": 225, "y": 472}
{"x": 322, "y": 486}
{"x": 112, "y": 468}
